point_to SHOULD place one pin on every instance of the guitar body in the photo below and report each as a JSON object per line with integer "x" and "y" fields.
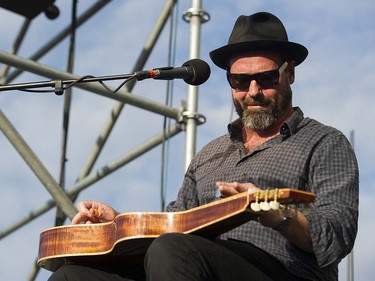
{"x": 127, "y": 238}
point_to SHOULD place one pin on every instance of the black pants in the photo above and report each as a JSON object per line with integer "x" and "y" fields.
{"x": 188, "y": 258}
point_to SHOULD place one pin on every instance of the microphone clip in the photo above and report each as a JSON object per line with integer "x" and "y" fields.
{"x": 59, "y": 89}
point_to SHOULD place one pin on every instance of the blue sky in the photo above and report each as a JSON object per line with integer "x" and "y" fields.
{"x": 334, "y": 85}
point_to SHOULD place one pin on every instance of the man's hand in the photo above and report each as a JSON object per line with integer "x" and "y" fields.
{"x": 232, "y": 188}
{"x": 270, "y": 218}
{"x": 94, "y": 212}
{"x": 298, "y": 231}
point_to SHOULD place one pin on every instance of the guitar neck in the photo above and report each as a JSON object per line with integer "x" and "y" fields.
{"x": 225, "y": 214}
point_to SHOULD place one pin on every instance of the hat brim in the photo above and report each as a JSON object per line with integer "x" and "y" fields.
{"x": 291, "y": 50}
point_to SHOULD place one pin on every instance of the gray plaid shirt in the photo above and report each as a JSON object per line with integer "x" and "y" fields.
{"x": 306, "y": 155}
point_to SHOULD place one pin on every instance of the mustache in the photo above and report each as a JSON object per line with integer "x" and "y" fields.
{"x": 259, "y": 101}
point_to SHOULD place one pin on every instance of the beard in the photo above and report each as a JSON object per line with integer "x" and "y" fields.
{"x": 268, "y": 114}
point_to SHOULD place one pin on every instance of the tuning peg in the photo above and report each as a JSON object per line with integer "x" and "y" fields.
{"x": 265, "y": 206}
{"x": 255, "y": 207}
{"x": 274, "y": 205}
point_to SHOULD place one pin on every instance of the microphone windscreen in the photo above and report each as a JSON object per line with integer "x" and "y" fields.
{"x": 201, "y": 71}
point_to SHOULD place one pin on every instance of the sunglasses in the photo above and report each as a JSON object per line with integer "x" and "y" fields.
{"x": 266, "y": 79}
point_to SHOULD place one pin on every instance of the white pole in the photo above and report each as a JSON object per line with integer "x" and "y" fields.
{"x": 195, "y": 16}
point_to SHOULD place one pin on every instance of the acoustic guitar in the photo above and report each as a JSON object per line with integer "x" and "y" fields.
{"x": 126, "y": 239}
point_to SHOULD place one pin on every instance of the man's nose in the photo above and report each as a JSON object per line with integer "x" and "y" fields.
{"x": 254, "y": 88}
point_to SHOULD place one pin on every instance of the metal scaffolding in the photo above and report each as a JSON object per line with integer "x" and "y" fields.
{"x": 185, "y": 118}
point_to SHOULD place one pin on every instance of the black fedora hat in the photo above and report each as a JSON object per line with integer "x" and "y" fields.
{"x": 260, "y": 31}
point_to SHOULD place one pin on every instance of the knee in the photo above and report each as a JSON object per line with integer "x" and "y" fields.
{"x": 168, "y": 248}
{"x": 165, "y": 257}
{"x": 165, "y": 244}
{"x": 59, "y": 275}
{"x": 170, "y": 238}
{"x": 67, "y": 273}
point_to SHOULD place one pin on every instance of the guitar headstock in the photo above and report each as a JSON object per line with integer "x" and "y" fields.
{"x": 271, "y": 199}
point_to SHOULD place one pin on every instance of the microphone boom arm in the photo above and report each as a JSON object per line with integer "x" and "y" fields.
{"x": 193, "y": 72}
{"x": 59, "y": 84}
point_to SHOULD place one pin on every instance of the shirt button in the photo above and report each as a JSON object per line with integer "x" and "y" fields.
{"x": 284, "y": 130}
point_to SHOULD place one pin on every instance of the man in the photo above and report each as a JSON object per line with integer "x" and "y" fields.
{"x": 271, "y": 145}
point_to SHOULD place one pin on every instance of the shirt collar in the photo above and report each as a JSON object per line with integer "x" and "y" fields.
{"x": 288, "y": 128}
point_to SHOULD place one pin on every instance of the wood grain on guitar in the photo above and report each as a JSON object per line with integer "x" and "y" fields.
{"x": 127, "y": 238}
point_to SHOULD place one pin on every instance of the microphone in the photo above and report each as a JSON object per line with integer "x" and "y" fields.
{"x": 194, "y": 72}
